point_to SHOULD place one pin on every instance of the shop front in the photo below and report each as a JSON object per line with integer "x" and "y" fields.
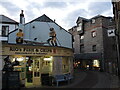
{"x": 89, "y": 61}
{"x": 37, "y": 63}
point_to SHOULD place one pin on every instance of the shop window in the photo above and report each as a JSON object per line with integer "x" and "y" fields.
{"x": 93, "y": 34}
{"x": 96, "y": 63}
{"x": 36, "y": 74}
{"x": 5, "y": 31}
{"x": 82, "y": 48}
{"x": 94, "y": 48}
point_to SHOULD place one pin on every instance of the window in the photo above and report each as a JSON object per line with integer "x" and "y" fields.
{"x": 82, "y": 48}
{"x": 81, "y": 39}
{"x": 94, "y": 48}
{"x": 93, "y": 34}
{"x": 93, "y": 21}
{"x": 79, "y": 28}
{"x": 5, "y": 30}
{"x": 65, "y": 64}
{"x": 114, "y": 47}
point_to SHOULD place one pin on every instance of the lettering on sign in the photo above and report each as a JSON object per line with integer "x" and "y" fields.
{"x": 30, "y": 50}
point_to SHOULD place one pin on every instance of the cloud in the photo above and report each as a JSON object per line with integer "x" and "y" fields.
{"x": 65, "y": 12}
{"x": 70, "y": 19}
{"x": 55, "y": 5}
{"x": 96, "y": 8}
{"x": 10, "y": 8}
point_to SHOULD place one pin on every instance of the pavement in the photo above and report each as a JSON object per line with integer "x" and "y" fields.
{"x": 115, "y": 81}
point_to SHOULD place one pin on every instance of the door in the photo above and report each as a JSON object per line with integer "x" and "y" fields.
{"x": 36, "y": 71}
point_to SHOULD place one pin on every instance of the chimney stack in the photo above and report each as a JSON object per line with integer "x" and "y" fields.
{"x": 22, "y": 19}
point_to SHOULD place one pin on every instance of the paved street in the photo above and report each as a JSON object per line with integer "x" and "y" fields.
{"x": 94, "y": 79}
{"x": 90, "y": 79}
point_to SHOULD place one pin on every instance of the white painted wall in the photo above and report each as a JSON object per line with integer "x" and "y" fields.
{"x": 11, "y": 28}
{"x": 41, "y": 32}
{"x": 12, "y": 37}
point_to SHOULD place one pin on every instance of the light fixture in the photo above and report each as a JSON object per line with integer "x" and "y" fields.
{"x": 48, "y": 58}
{"x": 20, "y": 59}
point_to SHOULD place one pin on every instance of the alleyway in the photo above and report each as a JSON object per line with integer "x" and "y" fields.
{"x": 89, "y": 79}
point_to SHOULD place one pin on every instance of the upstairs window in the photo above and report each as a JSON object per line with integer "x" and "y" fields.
{"x": 94, "y": 48}
{"x": 5, "y": 31}
{"x": 81, "y": 39}
{"x": 79, "y": 28}
{"x": 82, "y": 48}
{"x": 93, "y": 34}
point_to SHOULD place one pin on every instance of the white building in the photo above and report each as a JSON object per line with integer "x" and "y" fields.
{"x": 36, "y": 54}
{"x": 6, "y": 26}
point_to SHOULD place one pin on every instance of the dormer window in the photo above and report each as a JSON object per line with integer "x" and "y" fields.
{"x": 93, "y": 21}
{"x": 79, "y": 28}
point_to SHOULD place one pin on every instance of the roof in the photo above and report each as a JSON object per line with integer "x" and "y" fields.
{"x": 95, "y": 17}
{"x": 98, "y": 16}
{"x": 5, "y": 19}
{"x": 81, "y": 18}
{"x": 43, "y": 18}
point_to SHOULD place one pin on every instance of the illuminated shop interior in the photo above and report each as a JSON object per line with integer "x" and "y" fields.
{"x": 32, "y": 67}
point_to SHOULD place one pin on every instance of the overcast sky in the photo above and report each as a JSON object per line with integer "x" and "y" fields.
{"x": 65, "y": 12}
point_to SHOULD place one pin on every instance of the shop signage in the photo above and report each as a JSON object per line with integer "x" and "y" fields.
{"x": 37, "y": 51}
{"x": 30, "y": 49}
{"x": 25, "y": 50}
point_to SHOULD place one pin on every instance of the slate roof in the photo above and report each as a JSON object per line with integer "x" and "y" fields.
{"x": 5, "y": 19}
{"x": 43, "y": 18}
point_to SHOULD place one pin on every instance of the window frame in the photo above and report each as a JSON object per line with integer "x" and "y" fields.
{"x": 4, "y": 30}
{"x": 93, "y": 34}
{"x": 82, "y": 48}
{"x": 79, "y": 27}
{"x": 81, "y": 38}
{"x": 94, "y": 48}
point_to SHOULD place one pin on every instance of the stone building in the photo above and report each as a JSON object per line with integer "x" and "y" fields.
{"x": 94, "y": 43}
{"x": 116, "y": 12}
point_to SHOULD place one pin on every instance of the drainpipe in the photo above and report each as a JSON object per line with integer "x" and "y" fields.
{"x": 118, "y": 44}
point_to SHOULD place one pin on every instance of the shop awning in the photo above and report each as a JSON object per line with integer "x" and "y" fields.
{"x": 86, "y": 56}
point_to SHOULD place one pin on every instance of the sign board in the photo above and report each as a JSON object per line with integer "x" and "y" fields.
{"x": 35, "y": 50}
{"x": 111, "y": 33}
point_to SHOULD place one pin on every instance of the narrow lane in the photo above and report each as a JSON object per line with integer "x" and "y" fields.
{"x": 88, "y": 82}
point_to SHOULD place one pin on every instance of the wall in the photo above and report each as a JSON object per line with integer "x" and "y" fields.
{"x": 41, "y": 32}
{"x": 76, "y": 40}
{"x": 11, "y": 28}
